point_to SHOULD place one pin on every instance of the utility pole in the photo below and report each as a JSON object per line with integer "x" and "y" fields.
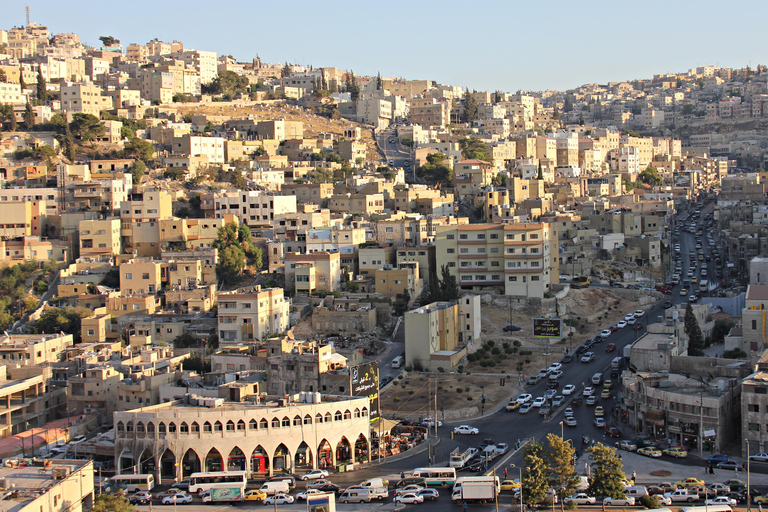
{"x": 749, "y": 497}
{"x": 701, "y": 423}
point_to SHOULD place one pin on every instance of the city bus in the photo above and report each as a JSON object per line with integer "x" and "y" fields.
{"x": 203, "y": 481}
{"x": 436, "y": 476}
{"x": 132, "y": 483}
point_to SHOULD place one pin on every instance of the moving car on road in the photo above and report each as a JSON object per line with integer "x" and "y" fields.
{"x": 466, "y": 429}
{"x": 180, "y": 498}
{"x": 314, "y": 475}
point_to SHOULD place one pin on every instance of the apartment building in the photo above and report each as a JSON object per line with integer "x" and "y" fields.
{"x": 11, "y": 94}
{"x": 294, "y": 366}
{"x": 412, "y": 230}
{"x": 23, "y": 219}
{"x": 24, "y": 194}
{"x": 423, "y": 256}
{"x": 84, "y": 97}
{"x": 99, "y": 237}
{"x": 314, "y": 193}
{"x": 356, "y": 203}
{"x": 249, "y": 315}
{"x": 754, "y": 404}
{"x": 192, "y": 234}
{"x": 305, "y": 273}
{"x": 103, "y": 195}
{"x": 436, "y": 335}
{"x": 515, "y": 258}
{"x": 94, "y": 391}
{"x": 402, "y": 280}
{"x": 252, "y": 207}
{"x": 139, "y": 221}
{"x": 33, "y": 349}
{"x": 203, "y": 62}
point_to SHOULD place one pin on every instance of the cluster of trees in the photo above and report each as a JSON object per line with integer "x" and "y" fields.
{"x": 15, "y": 299}
{"x": 692, "y": 329}
{"x": 436, "y": 170}
{"x": 650, "y": 177}
{"x": 66, "y": 320}
{"x": 227, "y": 83}
{"x": 473, "y": 147}
{"x": 550, "y": 466}
{"x": 470, "y": 108}
{"x": 352, "y": 87}
{"x": 445, "y": 288}
{"x": 235, "y": 245}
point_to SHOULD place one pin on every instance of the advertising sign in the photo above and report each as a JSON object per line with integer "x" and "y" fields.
{"x": 547, "y": 328}
{"x": 365, "y": 382}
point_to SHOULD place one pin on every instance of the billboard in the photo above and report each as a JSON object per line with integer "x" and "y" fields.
{"x": 364, "y": 381}
{"x": 547, "y": 328}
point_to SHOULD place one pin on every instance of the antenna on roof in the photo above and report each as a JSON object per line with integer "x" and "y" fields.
{"x": 26, "y": 8}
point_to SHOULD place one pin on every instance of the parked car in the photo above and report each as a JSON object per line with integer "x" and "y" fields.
{"x": 612, "y": 432}
{"x": 314, "y": 475}
{"x": 581, "y": 499}
{"x": 731, "y": 464}
{"x": 409, "y": 498}
{"x": 676, "y": 452}
{"x": 688, "y": 482}
{"x": 717, "y": 458}
{"x": 180, "y": 498}
{"x": 512, "y": 328}
{"x": 619, "y": 502}
{"x": 628, "y": 445}
{"x": 759, "y": 457}
{"x": 649, "y": 451}
{"x": 466, "y": 429}
{"x": 279, "y": 499}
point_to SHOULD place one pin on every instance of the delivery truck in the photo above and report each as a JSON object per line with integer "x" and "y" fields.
{"x": 480, "y": 489}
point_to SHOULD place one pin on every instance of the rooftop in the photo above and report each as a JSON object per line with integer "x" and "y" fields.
{"x": 29, "y": 483}
{"x": 757, "y": 292}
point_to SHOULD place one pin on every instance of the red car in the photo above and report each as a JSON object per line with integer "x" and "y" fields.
{"x": 610, "y": 347}
{"x": 613, "y": 328}
{"x": 612, "y": 432}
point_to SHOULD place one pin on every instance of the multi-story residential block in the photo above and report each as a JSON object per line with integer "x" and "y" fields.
{"x": 423, "y": 256}
{"x": 402, "y": 280}
{"x": 253, "y": 208}
{"x": 140, "y": 277}
{"x": 356, "y": 203}
{"x": 754, "y": 404}
{"x": 294, "y": 366}
{"x": 250, "y": 315}
{"x": 517, "y": 259}
{"x": 202, "y": 61}
{"x": 314, "y": 193}
{"x": 139, "y": 220}
{"x": 192, "y": 234}
{"x": 94, "y": 391}
{"x": 17, "y": 194}
{"x": 84, "y": 97}
{"x": 99, "y": 237}
{"x": 194, "y": 145}
{"x": 11, "y": 94}
{"x": 23, "y": 219}
{"x": 27, "y": 401}
{"x": 33, "y": 349}
{"x": 305, "y": 273}
{"x": 437, "y": 335}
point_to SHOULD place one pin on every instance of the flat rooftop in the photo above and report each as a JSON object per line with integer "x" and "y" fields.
{"x": 28, "y": 483}
{"x": 651, "y": 341}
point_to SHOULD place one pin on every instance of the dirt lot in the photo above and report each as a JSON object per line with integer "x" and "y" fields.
{"x": 588, "y": 311}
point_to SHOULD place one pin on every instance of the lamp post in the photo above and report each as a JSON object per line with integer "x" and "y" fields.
{"x": 519, "y": 468}
{"x": 749, "y": 497}
{"x": 562, "y": 432}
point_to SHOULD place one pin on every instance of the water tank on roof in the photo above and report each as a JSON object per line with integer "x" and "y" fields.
{"x": 317, "y": 399}
{"x": 303, "y": 397}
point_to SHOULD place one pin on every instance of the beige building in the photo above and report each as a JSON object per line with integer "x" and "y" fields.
{"x": 139, "y": 221}
{"x": 33, "y": 349}
{"x": 11, "y": 94}
{"x": 305, "y": 273}
{"x": 436, "y": 335}
{"x": 140, "y": 277}
{"x": 23, "y": 219}
{"x": 67, "y": 487}
{"x": 250, "y": 315}
{"x": 515, "y": 258}
{"x": 754, "y": 404}
{"x": 99, "y": 237}
{"x": 294, "y": 366}
{"x": 85, "y": 98}
{"x": 95, "y": 390}
{"x": 253, "y": 208}
{"x": 264, "y": 436}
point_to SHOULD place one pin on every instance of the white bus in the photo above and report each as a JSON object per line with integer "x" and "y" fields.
{"x": 203, "y": 481}
{"x": 132, "y": 483}
{"x": 710, "y": 508}
{"x": 436, "y": 476}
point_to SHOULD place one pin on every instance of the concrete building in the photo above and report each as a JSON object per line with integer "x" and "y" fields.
{"x": 99, "y": 237}
{"x": 754, "y": 404}
{"x": 263, "y": 435}
{"x": 67, "y": 487}
{"x": 27, "y": 402}
{"x": 294, "y": 366}
{"x": 94, "y": 391}
{"x": 139, "y": 221}
{"x": 437, "y": 335}
{"x": 254, "y": 208}
{"x": 141, "y": 277}
{"x": 515, "y": 258}
{"x": 211, "y": 148}
{"x": 344, "y": 315}
{"x": 305, "y": 273}
{"x": 33, "y": 349}
{"x": 85, "y": 98}
{"x": 249, "y": 315}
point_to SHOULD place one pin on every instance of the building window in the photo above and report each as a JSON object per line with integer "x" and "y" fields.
{"x": 513, "y": 278}
{"x": 275, "y": 423}
{"x": 753, "y": 407}
{"x": 755, "y": 427}
{"x": 534, "y": 278}
{"x": 462, "y": 237}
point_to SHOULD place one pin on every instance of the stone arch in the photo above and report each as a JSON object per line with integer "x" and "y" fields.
{"x": 275, "y": 423}
{"x": 207, "y": 428}
{"x": 285, "y": 422}
{"x": 259, "y": 461}
{"x": 161, "y": 428}
{"x": 129, "y": 426}
{"x": 217, "y": 427}
{"x": 241, "y": 426}
{"x": 328, "y": 417}
{"x": 213, "y": 461}
{"x": 236, "y": 460}
{"x": 303, "y": 458}
{"x": 184, "y": 428}
{"x": 337, "y": 416}
{"x": 362, "y": 449}
{"x": 172, "y": 428}
{"x": 126, "y": 461}
{"x": 307, "y": 419}
{"x": 120, "y": 427}
{"x": 347, "y": 415}
{"x": 325, "y": 454}
{"x": 195, "y": 428}
{"x": 343, "y": 451}
{"x": 253, "y": 424}
{"x": 263, "y": 423}
{"x": 365, "y": 412}
{"x": 230, "y": 426}
{"x": 140, "y": 429}
{"x": 281, "y": 460}
{"x": 190, "y": 463}
{"x": 356, "y": 412}
{"x": 318, "y": 418}
{"x": 168, "y": 465}
{"x": 150, "y": 429}
{"x": 297, "y": 421}
{"x": 146, "y": 462}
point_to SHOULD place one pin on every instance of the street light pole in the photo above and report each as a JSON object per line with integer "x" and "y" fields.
{"x": 519, "y": 468}
{"x": 749, "y": 497}
{"x": 562, "y": 432}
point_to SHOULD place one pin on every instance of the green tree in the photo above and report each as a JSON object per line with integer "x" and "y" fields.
{"x": 443, "y": 289}
{"x": 470, "y": 108}
{"x": 141, "y": 149}
{"x": 436, "y": 170}
{"x": 3, "y": 77}
{"x": 8, "y": 117}
{"x": 475, "y": 148}
{"x": 42, "y": 87}
{"x": 126, "y": 132}
{"x": 540, "y": 174}
{"x": 187, "y": 340}
{"x": 650, "y": 176}
{"x": 108, "y": 41}
{"x": 721, "y": 330}
{"x": 688, "y": 109}
{"x": 111, "y": 279}
{"x": 196, "y": 363}
{"x": 66, "y": 320}
{"x": 174, "y": 173}
{"x": 112, "y": 503}
{"x": 137, "y": 170}
{"x": 561, "y": 474}
{"x": 29, "y": 117}
{"x": 535, "y": 475}
{"x": 568, "y": 103}
{"x": 379, "y": 85}
{"x": 607, "y": 473}
{"x": 86, "y": 126}
{"x": 231, "y": 264}
{"x": 70, "y": 151}
{"x": 692, "y": 329}
{"x": 22, "y": 84}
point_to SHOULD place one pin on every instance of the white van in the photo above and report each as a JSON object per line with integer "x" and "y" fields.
{"x": 398, "y": 362}
{"x": 597, "y": 379}
{"x": 636, "y": 491}
{"x": 355, "y": 496}
{"x": 616, "y": 362}
{"x": 275, "y": 487}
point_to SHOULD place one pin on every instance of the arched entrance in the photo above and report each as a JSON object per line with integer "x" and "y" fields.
{"x": 343, "y": 451}
{"x": 259, "y": 461}
{"x": 190, "y": 463}
{"x": 303, "y": 459}
{"x": 168, "y": 465}
{"x": 325, "y": 455}
{"x": 146, "y": 463}
{"x": 281, "y": 460}
{"x": 126, "y": 462}
{"x": 213, "y": 461}
{"x": 236, "y": 460}
{"x": 362, "y": 452}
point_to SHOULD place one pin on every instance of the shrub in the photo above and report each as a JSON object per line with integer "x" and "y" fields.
{"x": 571, "y": 505}
{"x": 439, "y": 369}
{"x": 459, "y": 390}
{"x": 649, "y": 501}
{"x": 460, "y": 368}
{"x": 469, "y": 399}
{"x": 409, "y": 368}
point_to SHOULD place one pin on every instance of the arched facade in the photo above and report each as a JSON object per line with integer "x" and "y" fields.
{"x": 260, "y": 439}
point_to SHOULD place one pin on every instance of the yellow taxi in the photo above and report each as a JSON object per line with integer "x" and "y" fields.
{"x": 676, "y": 452}
{"x": 606, "y": 393}
{"x": 599, "y": 411}
{"x": 689, "y": 482}
{"x": 694, "y": 280}
{"x": 254, "y": 495}
{"x": 510, "y": 485}
{"x": 513, "y": 406}
{"x": 608, "y": 384}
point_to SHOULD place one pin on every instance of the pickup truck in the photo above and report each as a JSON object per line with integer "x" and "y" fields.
{"x": 682, "y": 495}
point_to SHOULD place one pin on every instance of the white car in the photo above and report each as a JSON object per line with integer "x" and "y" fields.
{"x": 540, "y": 400}
{"x": 466, "y": 429}
{"x": 570, "y": 421}
{"x": 568, "y": 411}
{"x": 629, "y": 317}
{"x": 639, "y": 313}
{"x": 619, "y": 502}
{"x": 279, "y": 499}
{"x": 409, "y": 499}
{"x": 315, "y": 474}
{"x": 309, "y": 492}
{"x": 605, "y": 333}
{"x": 722, "y": 500}
{"x": 524, "y": 398}
{"x": 555, "y": 367}
{"x": 632, "y": 321}
{"x": 413, "y": 488}
{"x": 569, "y": 389}
{"x": 179, "y": 498}
{"x": 429, "y": 422}
{"x": 589, "y": 391}
{"x": 588, "y": 357}
{"x": 664, "y": 500}
{"x": 759, "y": 457}
{"x": 581, "y": 499}
{"x": 622, "y": 324}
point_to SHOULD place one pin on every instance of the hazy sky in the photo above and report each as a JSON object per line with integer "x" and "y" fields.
{"x": 484, "y": 45}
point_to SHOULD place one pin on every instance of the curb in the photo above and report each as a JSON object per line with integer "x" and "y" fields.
{"x": 403, "y": 455}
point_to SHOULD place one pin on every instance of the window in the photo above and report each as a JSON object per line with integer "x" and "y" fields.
{"x": 275, "y": 423}
{"x": 297, "y": 421}
{"x": 263, "y": 423}
{"x": 753, "y": 407}
{"x": 534, "y": 278}
{"x": 481, "y": 236}
{"x": 337, "y": 416}
{"x": 128, "y": 276}
{"x": 464, "y": 250}
{"x": 755, "y": 427}
{"x": 195, "y": 427}
{"x": 207, "y": 427}
{"x": 513, "y": 278}
{"x": 230, "y": 426}
{"x": 451, "y": 251}
{"x": 462, "y": 237}
{"x": 494, "y": 250}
